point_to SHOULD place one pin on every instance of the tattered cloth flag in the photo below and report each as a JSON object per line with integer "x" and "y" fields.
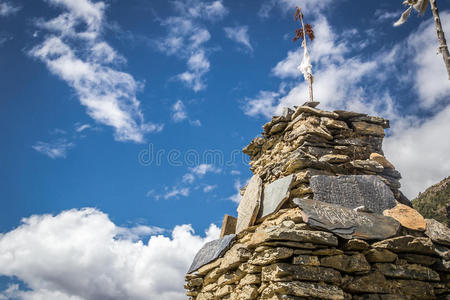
{"x": 305, "y": 66}
{"x": 419, "y": 5}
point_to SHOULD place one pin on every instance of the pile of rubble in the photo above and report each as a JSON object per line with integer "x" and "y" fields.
{"x": 323, "y": 218}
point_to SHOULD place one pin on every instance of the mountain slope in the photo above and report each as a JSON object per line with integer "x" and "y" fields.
{"x": 434, "y": 202}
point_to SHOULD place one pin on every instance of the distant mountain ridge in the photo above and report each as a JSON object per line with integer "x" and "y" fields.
{"x": 434, "y": 202}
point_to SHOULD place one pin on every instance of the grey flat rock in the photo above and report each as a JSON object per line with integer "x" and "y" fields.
{"x": 353, "y": 191}
{"x": 275, "y": 194}
{"x": 249, "y": 206}
{"x": 211, "y": 251}
{"x": 346, "y": 222}
{"x": 438, "y": 232}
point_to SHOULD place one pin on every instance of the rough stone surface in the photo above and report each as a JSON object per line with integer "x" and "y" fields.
{"x": 407, "y": 243}
{"x": 381, "y": 160}
{"x": 438, "y": 232}
{"x": 287, "y": 234}
{"x": 411, "y": 271}
{"x": 346, "y": 263}
{"x": 353, "y": 191}
{"x": 288, "y": 272}
{"x": 345, "y": 222}
{"x": 275, "y": 194}
{"x": 407, "y": 216}
{"x": 380, "y": 256}
{"x": 228, "y": 225}
{"x": 211, "y": 251}
{"x": 250, "y": 204}
{"x": 303, "y": 289}
{"x": 368, "y": 128}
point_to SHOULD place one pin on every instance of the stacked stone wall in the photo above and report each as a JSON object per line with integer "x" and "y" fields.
{"x": 284, "y": 258}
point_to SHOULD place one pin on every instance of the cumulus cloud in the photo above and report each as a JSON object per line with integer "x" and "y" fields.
{"x": 187, "y": 36}
{"x": 239, "y": 34}
{"x": 82, "y": 128}
{"x": 55, "y": 149}
{"x": 8, "y": 9}
{"x": 236, "y": 197}
{"x": 418, "y": 147}
{"x": 87, "y": 63}
{"x": 314, "y": 7}
{"x": 82, "y": 254}
{"x": 175, "y": 192}
{"x": 209, "y": 188}
{"x": 202, "y": 169}
{"x": 179, "y": 114}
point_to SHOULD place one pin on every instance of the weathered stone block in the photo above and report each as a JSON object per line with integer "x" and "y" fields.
{"x": 346, "y": 263}
{"x": 353, "y": 191}
{"x": 228, "y": 225}
{"x": 275, "y": 194}
{"x": 345, "y": 222}
{"x": 407, "y": 243}
{"x": 407, "y": 216}
{"x": 250, "y": 204}
{"x": 438, "y": 232}
{"x": 303, "y": 289}
{"x": 407, "y": 272}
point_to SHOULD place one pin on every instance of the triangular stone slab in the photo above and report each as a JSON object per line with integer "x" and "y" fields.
{"x": 249, "y": 206}
{"x": 274, "y": 196}
{"x": 346, "y": 222}
{"x": 211, "y": 251}
{"x": 353, "y": 191}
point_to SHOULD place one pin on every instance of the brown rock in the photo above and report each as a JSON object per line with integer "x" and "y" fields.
{"x": 381, "y": 160}
{"x": 288, "y": 272}
{"x": 334, "y": 124}
{"x": 355, "y": 245}
{"x": 278, "y": 127}
{"x": 203, "y": 270}
{"x": 372, "y": 283}
{"x": 302, "y": 289}
{"x": 307, "y": 128}
{"x": 438, "y": 232}
{"x": 334, "y": 158}
{"x": 326, "y": 252}
{"x": 308, "y": 260}
{"x": 234, "y": 257}
{"x": 368, "y": 128}
{"x": 314, "y": 111}
{"x": 230, "y": 277}
{"x": 407, "y": 216}
{"x": 270, "y": 255}
{"x": 223, "y": 291}
{"x": 412, "y": 271}
{"x": 419, "y": 259}
{"x": 228, "y": 225}
{"x": 250, "y": 279}
{"x": 413, "y": 288}
{"x": 407, "y": 243}
{"x": 346, "y": 263}
{"x": 380, "y": 255}
{"x": 367, "y": 165}
{"x": 247, "y": 292}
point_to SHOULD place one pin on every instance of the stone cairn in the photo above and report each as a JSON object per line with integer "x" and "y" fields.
{"x": 323, "y": 218}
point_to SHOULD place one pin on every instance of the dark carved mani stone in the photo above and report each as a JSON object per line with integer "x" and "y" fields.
{"x": 211, "y": 251}
{"x": 353, "y": 191}
{"x": 346, "y": 222}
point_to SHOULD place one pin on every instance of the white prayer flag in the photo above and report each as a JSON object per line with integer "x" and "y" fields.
{"x": 305, "y": 67}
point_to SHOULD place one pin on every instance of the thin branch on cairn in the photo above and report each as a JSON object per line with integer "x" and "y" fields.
{"x": 301, "y": 33}
{"x": 421, "y": 6}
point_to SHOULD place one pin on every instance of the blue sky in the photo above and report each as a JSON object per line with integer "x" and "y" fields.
{"x": 122, "y": 124}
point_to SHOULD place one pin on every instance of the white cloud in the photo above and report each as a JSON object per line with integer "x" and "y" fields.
{"x": 237, "y": 196}
{"x": 83, "y": 255}
{"x": 83, "y": 127}
{"x": 109, "y": 95}
{"x": 209, "y": 188}
{"x": 187, "y": 36}
{"x": 7, "y": 9}
{"x": 179, "y": 114}
{"x": 179, "y": 111}
{"x": 235, "y": 172}
{"x": 431, "y": 79}
{"x": 188, "y": 178}
{"x": 239, "y": 34}
{"x": 381, "y": 15}
{"x": 175, "y": 192}
{"x": 308, "y": 7}
{"x": 56, "y": 149}
{"x": 202, "y": 169}
{"x": 419, "y": 149}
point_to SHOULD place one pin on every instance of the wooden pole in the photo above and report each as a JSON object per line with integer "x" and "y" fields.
{"x": 443, "y": 49}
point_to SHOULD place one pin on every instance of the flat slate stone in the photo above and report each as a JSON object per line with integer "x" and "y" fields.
{"x": 438, "y": 232}
{"x": 346, "y": 222}
{"x": 249, "y": 206}
{"x": 228, "y": 225}
{"x": 211, "y": 251}
{"x": 275, "y": 194}
{"x": 353, "y": 191}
